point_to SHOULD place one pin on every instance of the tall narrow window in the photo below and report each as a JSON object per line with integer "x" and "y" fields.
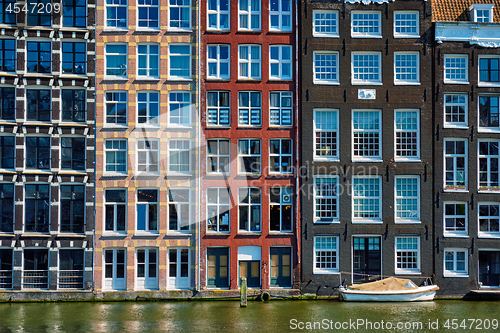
{"x": 73, "y": 152}
{"x": 179, "y": 14}
{"x": 456, "y": 68}
{"x": 38, "y": 104}
{"x": 35, "y": 273}
{"x": 38, "y": 58}
{"x": 36, "y": 207}
{"x": 218, "y": 201}
{"x": 147, "y": 210}
{"x": 147, "y": 269}
{"x": 249, "y": 61}
{"x": 218, "y": 61}
{"x": 280, "y": 156}
{"x": 116, "y": 107}
{"x": 7, "y": 103}
{"x": 116, "y": 155}
{"x": 280, "y": 108}
{"x": 406, "y": 24}
{"x": 455, "y": 110}
{"x": 280, "y": 62}
{"x": 148, "y": 155}
{"x": 406, "y": 68}
{"x": 7, "y": 17}
{"x": 455, "y": 262}
{"x": 37, "y": 17}
{"x": 488, "y": 113}
{"x": 7, "y": 55}
{"x": 115, "y": 269}
{"x": 325, "y": 134}
{"x": 366, "y": 68}
{"x": 366, "y": 135}
{"x": 455, "y": 162}
{"x": 70, "y": 274}
{"x": 6, "y": 268}
{"x": 407, "y": 255}
{"x": 249, "y": 108}
{"x": 489, "y": 70}
{"x": 249, "y": 209}
{"x": 326, "y": 254}
{"x": 116, "y": 56}
{"x": 179, "y": 107}
{"x": 218, "y": 15}
{"x": 367, "y": 198}
{"x": 148, "y": 107}
{"x": 489, "y": 163}
{"x": 74, "y": 58}
{"x": 178, "y": 209}
{"x": 280, "y": 15}
{"x": 325, "y": 199}
{"x": 72, "y": 208}
{"x": 249, "y": 15}
{"x": 218, "y": 156}
{"x": 249, "y": 156}
{"x": 115, "y": 208}
{"x": 7, "y": 152}
{"x": 280, "y": 210}
{"x": 325, "y": 68}
{"x": 148, "y": 14}
{"x": 6, "y": 209}
{"x": 407, "y": 198}
{"x": 218, "y": 108}
{"x": 74, "y": 13}
{"x": 407, "y": 135}
{"x": 489, "y": 218}
{"x": 38, "y": 152}
{"x": 116, "y": 14}
{"x": 179, "y": 155}
{"x": 73, "y": 105}
{"x": 148, "y": 61}
{"x": 455, "y": 219}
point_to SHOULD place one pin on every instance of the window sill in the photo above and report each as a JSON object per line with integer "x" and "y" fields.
{"x": 139, "y": 233}
{"x": 70, "y": 234}
{"x": 114, "y": 126}
{"x": 247, "y": 127}
{"x": 455, "y": 275}
{"x": 452, "y": 235}
{"x": 408, "y": 160}
{"x": 249, "y": 233}
{"x": 39, "y": 75}
{"x": 487, "y": 85}
{"x": 455, "y": 190}
{"x": 455, "y": 82}
{"x": 72, "y": 172}
{"x": 39, "y": 27}
{"x": 277, "y": 79}
{"x": 218, "y": 174}
{"x": 326, "y": 36}
{"x": 148, "y": 78}
{"x": 179, "y": 174}
{"x": 488, "y": 235}
{"x": 488, "y": 130}
{"x": 317, "y": 272}
{"x": 7, "y": 122}
{"x": 326, "y": 221}
{"x": 72, "y": 124}
{"x": 406, "y": 83}
{"x": 74, "y": 76}
{"x": 333, "y": 159}
{"x": 487, "y": 190}
{"x": 216, "y": 127}
{"x": 148, "y": 126}
{"x": 37, "y": 123}
{"x": 377, "y": 160}
{"x": 218, "y": 233}
{"x": 73, "y": 29}
{"x": 184, "y": 79}
{"x": 407, "y": 273}
{"x": 113, "y": 234}
{"x": 186, "y": 233}
{"x": 115, "y": 174}
{"x": 250, "y": 80}
{"x": 451, "y": 126}
{"x": 10, "y": 171}
{"x": 179, "y": 30}
{"x": 35, "y": 234}
{"x": 366, "y": 83}
{"x": 333, "y": 83}
{"x": 406, "y": 36}
{"x": 13, "y": 74}
{"x": 7, "y": 234}
{"x": 407, "y": 221}
{"x": 217, "y": 30}
{"x": 249, "y": 174}
{"x": 278, "y": 127}
{"x": 33, "y": 172}
{"x": 115, "y": 78}
{"x": 281, "y": 233}
{"x": 187, "y": 127}
{"x": 111, "y": 29}
{"x": 280, "y": 174}
{"x": 366, "y": 221}
{"x": 146, "y": 174}
{"x": 365, "y": 36}
{"x": 218, "y": 79}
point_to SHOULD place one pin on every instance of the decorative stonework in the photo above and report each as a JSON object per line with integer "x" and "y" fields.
{"x": 367, "y": 2}
{"x": 482, "y": 34}
{"x": 367, "y": 94}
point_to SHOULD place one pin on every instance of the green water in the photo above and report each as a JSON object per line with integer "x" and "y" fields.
{"x": 227, "y": 316}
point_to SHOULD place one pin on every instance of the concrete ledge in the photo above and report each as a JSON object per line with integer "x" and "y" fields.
{"x": 483, "y": 295}
{"x": 46, "y": 296}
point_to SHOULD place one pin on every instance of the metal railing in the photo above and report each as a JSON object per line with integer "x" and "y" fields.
{"x": 70, "y": 279}
{"x": 5, "y": 279}
{"x": 38, "y": 279}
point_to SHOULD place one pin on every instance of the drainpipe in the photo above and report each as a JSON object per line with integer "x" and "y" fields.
{"x": 95, "y": 154}
{"x": 297, "y": 137}
{"x": 198, "y": 111}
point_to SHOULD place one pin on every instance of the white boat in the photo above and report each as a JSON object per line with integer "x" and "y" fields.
{"x": 388, "y": 290}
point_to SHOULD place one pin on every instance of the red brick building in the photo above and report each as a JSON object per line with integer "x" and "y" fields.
{"x": 249, "y": 206}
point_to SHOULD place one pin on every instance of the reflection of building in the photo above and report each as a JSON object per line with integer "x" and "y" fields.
{"x": 366, "y": 118}
{"x": 466, "y": 144}
{"x": 146, "y": 172}
{"x": 46, "y": 144}
{"x": 249, "y": 206}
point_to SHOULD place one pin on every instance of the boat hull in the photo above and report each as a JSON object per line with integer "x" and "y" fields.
{"x": 426, "y": 293}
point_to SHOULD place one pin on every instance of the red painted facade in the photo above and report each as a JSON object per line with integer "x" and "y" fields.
{"x": 235, "y": 238}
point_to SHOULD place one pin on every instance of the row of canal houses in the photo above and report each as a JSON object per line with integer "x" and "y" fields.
{"x": 154, "y": 148}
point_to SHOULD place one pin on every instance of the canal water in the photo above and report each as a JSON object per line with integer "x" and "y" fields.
{"x": 273, "y": 316}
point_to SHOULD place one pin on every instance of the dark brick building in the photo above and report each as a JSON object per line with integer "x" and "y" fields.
{"x": 366, "y": 117}
{"x": 47, "y": 146}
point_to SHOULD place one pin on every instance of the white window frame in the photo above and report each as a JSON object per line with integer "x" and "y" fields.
{"x": 179, "y": 146}
{"x": 489, "y": 157}
{"x": 278, "y": 114}
{"x": 116, "y": 5}
{"x": 402, "y": 200}
{"x": 280, "y": 13}
{"x": 453, "y": 73}
{"x": 456, "y": 233}
{"x": 248, "y": 12}
{"x": 218, "y": 62}
{"x": 250, "y": 206}
{"x": 251, "y": 112}
{"x": 281, "y": 62}
{"x": 106, "y": 54}
{"x": 218, "y": 156}
{"x": 371, "y": 219}
{"x": 455, "y": 106}
{"x": 219, "y": 12}
{"x": 115, "y": 103}
{"x": 149, "y": 104}
{"x": 113, "y": 280}
{"x": 181, "y": 8}
{"x": 115, "y": 204}
{"x": 358, "y": 81}
{"x": 456, "y": 186}
{"x": 281, "y": 157}
{"x": 187, "y": 120}
{"x": 487, "y": 83}
{"x": 148, "y": 152}
{"x": 285, "y": 194}
{"x": 320, "y": 22}
{"x": 490, "y": 129}
{"x": 361, "y": 131}
{"x": 330, "y": 75}
{"x": 406, "y": 70}
{"x": 483, "y": 7}
{"x": 366, "y": 34}
{"x": 455, "y": 272}
{"x": 73, "y": 154}
{"x": 487, "y": 234}
{"x": 150, "y": 63}
{"x": 331, "y": 252}
{"x": 170, "y": 62}
{"x": 249, "y": 154}
{"x": 147, "y": 204}
{"x": 248, "y": 61}
{"x": 318, "y": 135}
{"x": 400, "y": 130}
{"x": 331, "y": 195}
{"x": 219, "y": 112}
{"x": 25, "y": 154}
{"x": 114, "y": 150}
{"x": 149, "y": 282}
{"x": 406, "y": 26}
{"x": 179, "y": 204}
{"x": 149, "y": 7}
{"x": 401, "y": 253}
{"x": 217, "y": 205}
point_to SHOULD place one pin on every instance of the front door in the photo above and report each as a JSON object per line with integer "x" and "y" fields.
{"x": 367, "y": 259}
{"x": 218, "y": 260}
{"x": 489, "y": 268}
{"x": 147, "y": 269}
{"x": 281, "y": 267}
{"x": 115, "y": 269}
{"x": 250, "y": 270}
{"x": 178, "y": 266}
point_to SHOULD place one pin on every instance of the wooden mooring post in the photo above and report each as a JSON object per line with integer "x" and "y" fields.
{"x": 243, "y": 293}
